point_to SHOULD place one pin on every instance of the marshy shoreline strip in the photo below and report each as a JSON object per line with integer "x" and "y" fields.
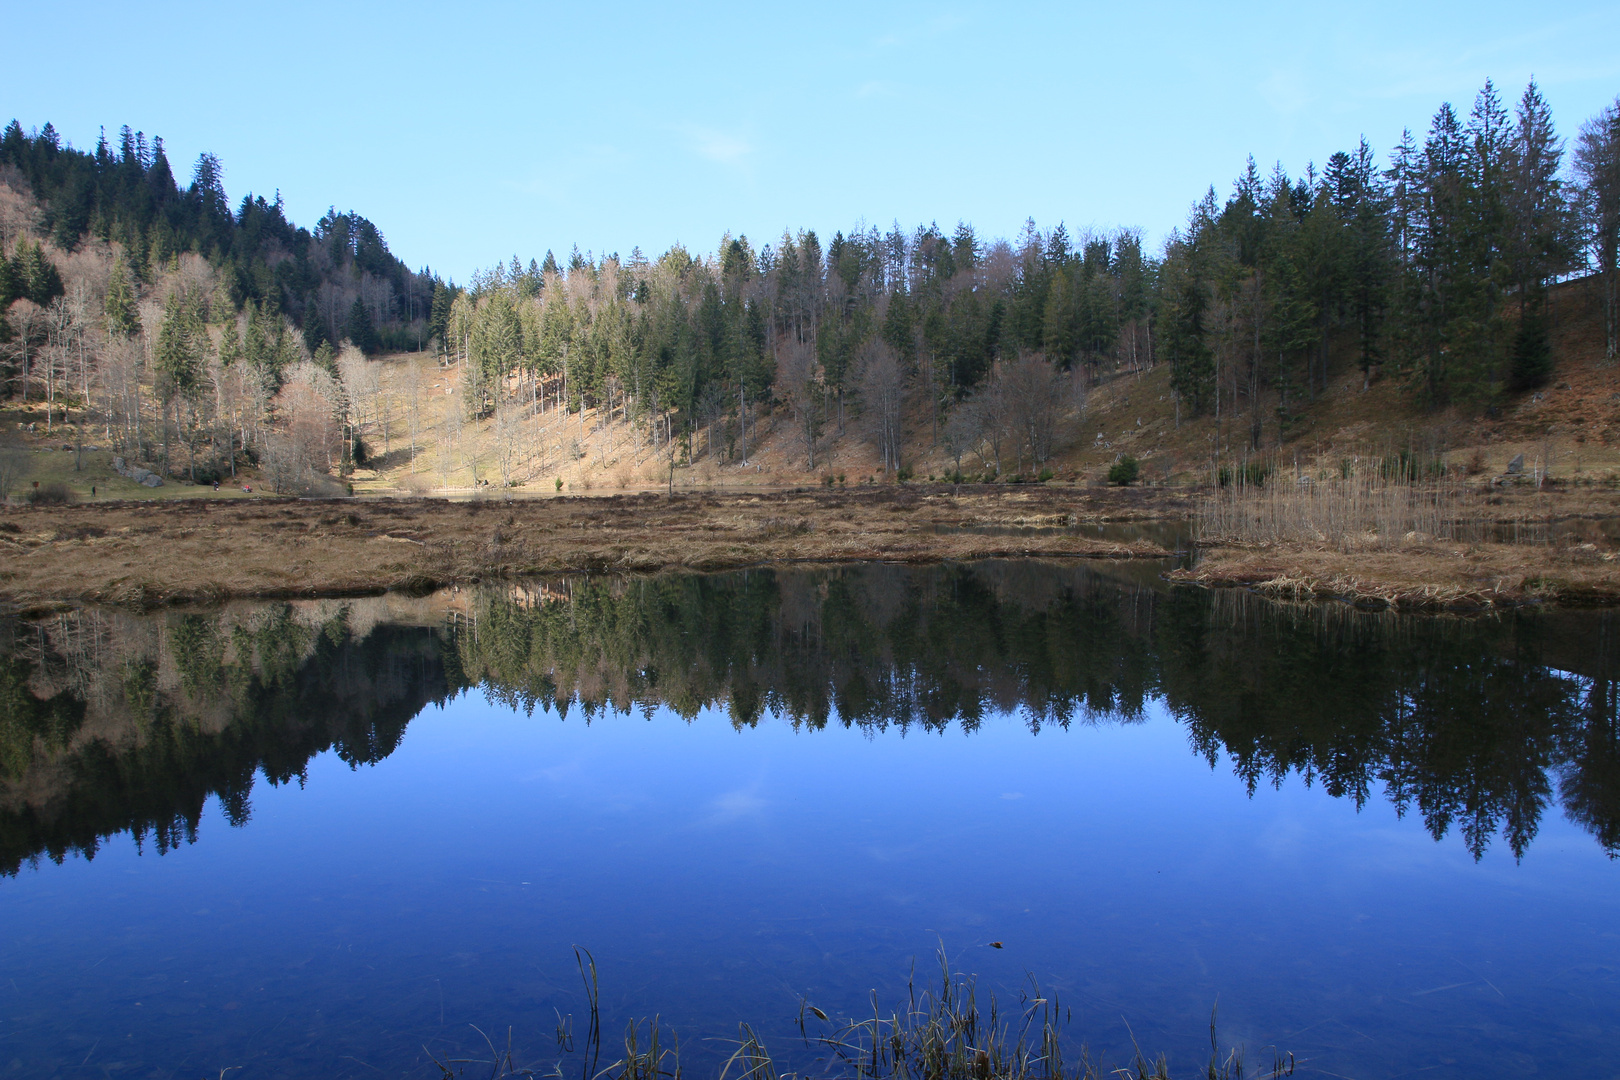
{"x": 1416, "y": 544}
{"x": 1425, "y": 575}
{"x": 201, "y": 550}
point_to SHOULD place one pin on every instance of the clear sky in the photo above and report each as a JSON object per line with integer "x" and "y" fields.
{"x": 470, "y": 132}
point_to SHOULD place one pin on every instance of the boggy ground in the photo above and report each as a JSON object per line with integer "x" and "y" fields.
{"x": 1574, "y": 558}
{"x": 1418, "y": 575}
{"x": 144, "y": 554}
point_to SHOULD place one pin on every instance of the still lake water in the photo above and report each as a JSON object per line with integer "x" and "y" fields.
{"x": 327, "y": 838}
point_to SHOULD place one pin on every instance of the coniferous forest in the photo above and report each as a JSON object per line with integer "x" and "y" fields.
{"x": 206, "y": 338}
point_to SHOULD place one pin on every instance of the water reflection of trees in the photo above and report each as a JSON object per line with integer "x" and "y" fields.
{"x": 1467, "y": 721}
{"x": 873, "y": 646}
{"x": 112, "y": 723}
{"x": 115, "y": 723}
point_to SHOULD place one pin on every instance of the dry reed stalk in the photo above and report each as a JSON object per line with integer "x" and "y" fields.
{"x": 1356, "y": 513}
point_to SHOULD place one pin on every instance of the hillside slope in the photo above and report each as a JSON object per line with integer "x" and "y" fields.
{"x": 1572, "y": 427}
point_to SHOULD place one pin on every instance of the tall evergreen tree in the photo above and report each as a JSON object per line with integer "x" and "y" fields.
{"x": 1187, "y": 284}
{"x": 359, "y": 329}
{"x": 1597, "y": 169}
{"x": 123, "y": 314}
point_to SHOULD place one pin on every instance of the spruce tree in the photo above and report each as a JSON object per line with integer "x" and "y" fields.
{"x": 12, "y": 285}
{"x": 439, "y": 312}
{"x": 1192, "y": 362}
{"x": 254, "y": 348}
{"x": 900, "y": 328}
{"x": 315, "y": 334}
{"x": 326, "y": 358}
{"x": 1061, "y": 319}
{"x": 123, "y": 315}
{"x": 1540, "y": 241}
{"x": 36, "y": 275}
{"x": 1597, "y": 169}
{"x": 1531, "y": 362}
{"x": 230, "y": 344}
{"x": 1368, "y": 256}
{"x": 359, "y": 330}
{"x": 180, "y": 345}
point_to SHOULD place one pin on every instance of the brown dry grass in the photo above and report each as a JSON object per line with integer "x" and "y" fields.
{"x": 1414, "y": 545}
{"x": 1370, "y": 512}
{"x": 1427, "y": 575}
{"x": 1423, "y": 574}
{"x": 203, "y": 550}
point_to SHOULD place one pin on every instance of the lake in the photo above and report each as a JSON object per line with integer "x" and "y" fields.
{"x": 341, "y": 838}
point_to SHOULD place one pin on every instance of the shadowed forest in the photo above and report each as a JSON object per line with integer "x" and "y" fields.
{"x": 115, "y": 723}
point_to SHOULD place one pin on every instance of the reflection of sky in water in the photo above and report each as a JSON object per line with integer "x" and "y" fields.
{"x": 718, "y": 874}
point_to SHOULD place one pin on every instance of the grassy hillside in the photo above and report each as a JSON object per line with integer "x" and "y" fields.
{"x": 1572, "y": 428}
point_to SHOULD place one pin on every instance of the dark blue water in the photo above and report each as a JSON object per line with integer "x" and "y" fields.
{"x": 362, "y": 917}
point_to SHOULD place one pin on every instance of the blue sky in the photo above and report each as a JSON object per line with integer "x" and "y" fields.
{"x": 472, "y": 132}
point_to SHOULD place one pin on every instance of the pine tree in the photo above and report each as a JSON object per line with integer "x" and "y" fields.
{"x": 1597, "y": 167}
{"x": 900, "y": 328}
{"x": 230, "y": 344}
{"x": 123, "y": 314}
{"x": 326, "y": 357}
{"x": 1060, "y": 321}
{"x": 1192, "y": 362}
{"x": 34, "y": 276}
{"x": 439, "y": 312}
{"x": 1539, "y": 225}
{"x": 1531, "y": 360}
{"x": 180, "y": 346}
{"x": 1364, "y": 208}
{"x": 12, "y": 283}
{"x": 315, "y": 333}
{"x": 359, "y": 329}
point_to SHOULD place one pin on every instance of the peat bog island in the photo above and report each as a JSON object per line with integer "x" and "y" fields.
{"x": 869, "y": 652}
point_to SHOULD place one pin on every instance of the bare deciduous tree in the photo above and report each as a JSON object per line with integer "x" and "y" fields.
{"x": 797, "y": 375}
{"x": 413, "y": 405}
{"x": 992, "y": 417}
{"x": 28, "y": 324}
{"x": 961, "y": 433}
{"x": 306, "y": 440}
{"x": 883, "y": 386}
{"x": 1032, "y": 390}
{"x": 509, "y": 431}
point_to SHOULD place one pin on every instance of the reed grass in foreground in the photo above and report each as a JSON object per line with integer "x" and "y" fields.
{"x": 942, "y": 1032}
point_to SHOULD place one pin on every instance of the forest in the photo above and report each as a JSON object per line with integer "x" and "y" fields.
{"x": 203, "y": 339}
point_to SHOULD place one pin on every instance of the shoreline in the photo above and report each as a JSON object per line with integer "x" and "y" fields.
{"x": 142, "y": 554}
{"x": 1432, "y": 576}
